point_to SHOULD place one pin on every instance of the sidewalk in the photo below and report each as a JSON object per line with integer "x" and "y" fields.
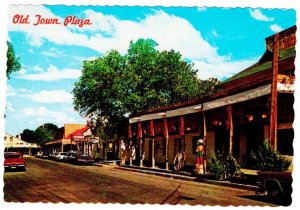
{"x": 245, "y": 180}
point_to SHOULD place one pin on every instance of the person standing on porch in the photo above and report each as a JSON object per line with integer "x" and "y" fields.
{"x": 200, "y": 157}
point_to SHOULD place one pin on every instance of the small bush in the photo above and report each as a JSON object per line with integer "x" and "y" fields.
{"x": 96, "y": 156}
{"x": 266, "y": 159}
{"x": 222, "y": 166}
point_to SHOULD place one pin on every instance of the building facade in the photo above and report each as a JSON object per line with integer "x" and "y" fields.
{"x": 253, "y": 106}
{"x": 64, "y": 140}
{"x": 16, "y": 144}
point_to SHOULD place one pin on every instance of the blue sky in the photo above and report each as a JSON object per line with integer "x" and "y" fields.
{"x": 220, "y": 42}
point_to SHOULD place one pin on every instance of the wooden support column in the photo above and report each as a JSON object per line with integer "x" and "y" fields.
{"x": 182, "y": 131}
{"x": 152, "y": 134}
{"x": 130, "y": 145}
{"x": 166, "y": 132}
{"x": 230, "y": 126}
{"x": 205, "y": 138}
{"x": 273, "y": 117}
{"x": 71, "y": 146}
{"x": 140, "y": 139}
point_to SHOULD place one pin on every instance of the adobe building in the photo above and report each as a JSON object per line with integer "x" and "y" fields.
{"x": 16, "y": 144}
{"x": 253, "y": 106}
{"x": 64, "y": 140}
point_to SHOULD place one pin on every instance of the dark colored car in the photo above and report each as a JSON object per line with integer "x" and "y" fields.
{"x": 14, "y": 161}
{"x": 52, "y": 156}
{"x": 70, "y": 157}
{"x": 84, "y": 159}
{"x": 45, "y": 155}
{"x": 278, "y": 186}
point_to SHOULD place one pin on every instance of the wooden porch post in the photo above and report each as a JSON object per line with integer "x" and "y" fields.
{"x": 273, "y": 117}
{"x": 182, "y": 131}
{"x": 166, "y": 132}
{"x": 140, "y": 136}
{"x": 230, "y": 125}
{"x": 71, "y": 142}
{"x": 62, "y": 146}
{"x": 205, "y": 138}
{"x": 152, "y": 134}
{"x": 129, "y": 138}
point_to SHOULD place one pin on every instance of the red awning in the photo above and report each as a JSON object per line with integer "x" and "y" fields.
{"x": 78, "y": 134}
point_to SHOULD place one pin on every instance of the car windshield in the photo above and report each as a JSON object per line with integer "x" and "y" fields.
{"x": 12, "y": 156}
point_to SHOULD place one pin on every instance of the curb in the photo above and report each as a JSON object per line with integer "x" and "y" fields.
{"x": 191, "y": 178}
{"x": 168, "y": 175}
{"x": 230, "y": 184}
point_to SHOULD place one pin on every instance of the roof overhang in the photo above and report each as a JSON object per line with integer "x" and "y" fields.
{"x": 213, "y": 104}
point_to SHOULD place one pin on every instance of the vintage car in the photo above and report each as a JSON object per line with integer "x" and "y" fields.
{"x": 277, "y": 185}
{"x": 39, "y": 154}
{"x": 83, "y": 159}
{"x": 60, "y": 156}
{"x": 13, "y": 161}
{"x": 70, "y": 156}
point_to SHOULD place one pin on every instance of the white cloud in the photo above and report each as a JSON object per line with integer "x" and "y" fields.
{"x": 52, "y": 97}
{"x": 37, "y": 68}
{"x": 215, "y": 33}
{"x": 52, "y": 74}
{"x": 24, "y": 90}
{"x": 53, "y": 52}
{"x": 20, "y": 92}
{"x": 109, "y": 32}
{"x": 9, "y": 106}
{"x": 171, "y": 32}
{"x": 22, "y": 71}
{"x": 35, "y": 40}
{"x": 90, "y": 58}
{"x": 222, "y": 70}
{"x": 10, "y": 91}
{"x": 276, "y": 28}
{"x": 201, "y": 9}
{"x": 42, "y": 114}
{"x": 258, "y": 15}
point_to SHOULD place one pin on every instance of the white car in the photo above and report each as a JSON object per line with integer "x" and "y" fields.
{"x": 60, "y": 156}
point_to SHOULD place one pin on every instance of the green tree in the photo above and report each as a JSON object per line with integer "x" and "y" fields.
{"x": 45, "y": 133}
{"x": 28, "y": 135}
{"x": 13, "y": 63}
{"x": 144, "y": 78}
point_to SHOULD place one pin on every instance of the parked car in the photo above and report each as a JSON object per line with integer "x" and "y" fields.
{"x": 39, "y": 155}
{"x": 14, "y": 160}
{"x": 277, "y": 185}
{"x": 84, "y": 159}
{"x": 52, "y": 156}
{"x": 45, "y": 155}
{"x": 70, "y": 156}
{"x": 60, "y": 156}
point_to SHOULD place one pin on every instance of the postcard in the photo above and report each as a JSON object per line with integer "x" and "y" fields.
{"x": 150, "y": 104}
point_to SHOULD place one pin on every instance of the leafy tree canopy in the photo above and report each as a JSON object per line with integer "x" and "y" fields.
{"x": 45, "y": 133}
{"x": 144, "y": 78}
{"x": 28, "y": 135}
{"x": 13, "y": 63}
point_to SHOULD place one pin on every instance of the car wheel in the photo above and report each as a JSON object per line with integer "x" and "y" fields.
{"x": 274, "y": 193}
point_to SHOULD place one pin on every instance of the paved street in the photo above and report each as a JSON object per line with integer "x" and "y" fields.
{"x": 49, "y": 181}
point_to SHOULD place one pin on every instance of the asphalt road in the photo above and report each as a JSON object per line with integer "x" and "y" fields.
{"x": 49, "y": 181}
